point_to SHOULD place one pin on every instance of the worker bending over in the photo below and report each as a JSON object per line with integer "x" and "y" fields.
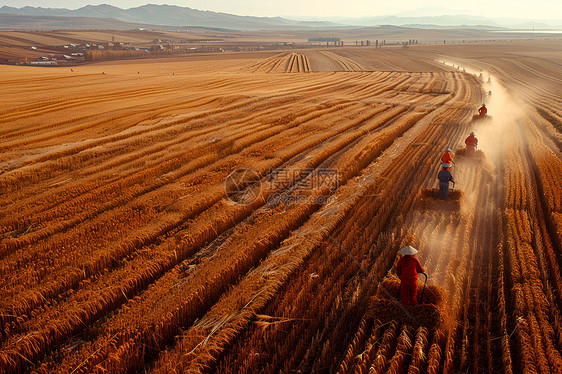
{"x": 447, "y": 157}
{"x": 407, "y": 269}
{"x": 471, "y": 144}
{"x": 445, "y": 177}
{"x": 483, "y": 110}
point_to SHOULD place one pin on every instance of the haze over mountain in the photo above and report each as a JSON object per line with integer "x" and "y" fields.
{"x": 171, "y": 15}
{"x": 450, "y": 21}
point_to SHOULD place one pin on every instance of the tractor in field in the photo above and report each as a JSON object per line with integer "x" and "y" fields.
{"x": 386, "y": 306}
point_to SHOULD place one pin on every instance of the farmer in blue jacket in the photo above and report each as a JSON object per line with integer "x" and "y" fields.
{"x": 445, "y": 177}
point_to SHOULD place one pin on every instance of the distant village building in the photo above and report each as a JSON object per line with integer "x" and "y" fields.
{"x": 44, "y": 63}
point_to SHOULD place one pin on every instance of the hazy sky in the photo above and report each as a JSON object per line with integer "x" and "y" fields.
{"x": 524, "y": 9}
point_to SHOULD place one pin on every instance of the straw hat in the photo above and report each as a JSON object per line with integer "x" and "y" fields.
{"x": 409, "y": 250}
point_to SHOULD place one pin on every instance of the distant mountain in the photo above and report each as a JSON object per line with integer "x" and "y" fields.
{"x": 430, "y": 10}
{"x": 171, "y": 15}
{"x": 41, "y": 22}
{"x": 421, "y": 19}
{"x": 441, "y": 21}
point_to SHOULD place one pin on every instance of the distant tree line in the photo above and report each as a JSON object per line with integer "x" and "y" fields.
{"x": 329, "y": 40}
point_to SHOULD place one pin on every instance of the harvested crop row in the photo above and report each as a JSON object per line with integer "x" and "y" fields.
{"x": 117, "y": 167}
{"x": 286, "y": 317}
{"x": 215, "y": 194}
{"x": 284, "y": 62}
{"x": 347, "y": 64}
{"x": 28, "y": 226}
{"x": 348, "y": 125}
{"x": 291, "y": 300}
{"x": 291, "y": 284}
{"x": 230, "y": 250}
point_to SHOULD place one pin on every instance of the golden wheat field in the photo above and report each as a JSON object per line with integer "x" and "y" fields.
{"x": 237, "y": 213}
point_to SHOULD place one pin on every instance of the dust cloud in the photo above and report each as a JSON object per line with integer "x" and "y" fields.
{"x": 494, "y": 136}
{"x": 505, "y": 112}
{"x": 503, "y": 109}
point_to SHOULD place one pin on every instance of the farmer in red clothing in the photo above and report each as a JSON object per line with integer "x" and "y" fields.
{"x": 483, "y": 110}
{"x": 407, "y": 269}
{"x": 447, "y": 157}
{"x": 471, "y": 144}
